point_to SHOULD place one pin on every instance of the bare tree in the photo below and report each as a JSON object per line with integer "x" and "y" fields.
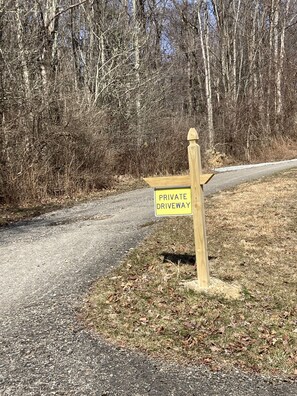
{"x": 88, "y": 85}
{"x": 203, "y": 22}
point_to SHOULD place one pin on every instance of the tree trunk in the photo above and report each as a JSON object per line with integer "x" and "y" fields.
{"x": 280, "y": 69}
{"x": 20, "y": 41}
{"x": 203, "y": 22}
{"x": 136, "y": 35}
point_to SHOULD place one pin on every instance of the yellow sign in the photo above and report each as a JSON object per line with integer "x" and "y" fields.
{"x": 173, "y": 202}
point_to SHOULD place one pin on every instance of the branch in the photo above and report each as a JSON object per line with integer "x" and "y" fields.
{"x": 65, "y": 10}
{"x": 292, "y": 24}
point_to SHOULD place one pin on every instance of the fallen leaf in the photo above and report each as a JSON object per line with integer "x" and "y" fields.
{"x": 214, "y": 348}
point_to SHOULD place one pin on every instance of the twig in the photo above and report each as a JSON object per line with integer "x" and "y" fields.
{"x": 65, "y": 10}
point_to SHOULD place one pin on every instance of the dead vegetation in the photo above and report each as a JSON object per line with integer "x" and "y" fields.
{"x": 12, "y": 213}
{"x": 252, "y": 241}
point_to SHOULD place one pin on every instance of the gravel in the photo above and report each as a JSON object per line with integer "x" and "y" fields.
{"x": 48, "y": 265}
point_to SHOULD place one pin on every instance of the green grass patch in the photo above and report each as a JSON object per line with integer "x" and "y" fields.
{"x": 252, "y": 240}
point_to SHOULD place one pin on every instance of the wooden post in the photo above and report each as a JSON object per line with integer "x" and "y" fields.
{"x": 198, "y": 210}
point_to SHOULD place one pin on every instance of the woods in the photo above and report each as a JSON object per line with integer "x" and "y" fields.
{"x": 88, "y": 88}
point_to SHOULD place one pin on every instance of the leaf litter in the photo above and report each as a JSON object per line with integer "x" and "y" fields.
{"x": 252, "y": 240}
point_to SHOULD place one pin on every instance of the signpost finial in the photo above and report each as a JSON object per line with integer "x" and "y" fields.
{"x": 193, "y": 134}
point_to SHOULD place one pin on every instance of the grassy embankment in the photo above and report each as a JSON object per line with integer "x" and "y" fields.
{"x": 252, "y": 240}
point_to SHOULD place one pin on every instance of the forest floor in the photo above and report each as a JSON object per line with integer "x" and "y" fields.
{"x": 252, "y": 241}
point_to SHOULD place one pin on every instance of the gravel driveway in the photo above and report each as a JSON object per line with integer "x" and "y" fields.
{"x": 47, "y": 266}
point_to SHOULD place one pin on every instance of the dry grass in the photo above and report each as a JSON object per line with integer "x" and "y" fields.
{"x": 277, "y": 149}
{"x": 252, "y": 240}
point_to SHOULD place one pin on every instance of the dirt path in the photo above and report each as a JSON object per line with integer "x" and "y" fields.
{"x": 47, "y": 265}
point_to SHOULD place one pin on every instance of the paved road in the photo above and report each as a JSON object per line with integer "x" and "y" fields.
{"x": 47, "y": 265}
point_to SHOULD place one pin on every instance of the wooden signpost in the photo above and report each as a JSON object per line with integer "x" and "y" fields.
{"x": 183, "y": 195}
